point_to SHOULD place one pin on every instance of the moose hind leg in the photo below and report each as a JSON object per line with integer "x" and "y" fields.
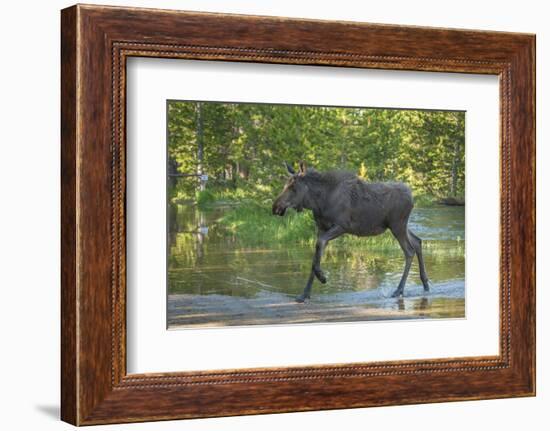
{"x": 307, "y": 291}
{"x": 417, "y": 244}
{"x": 409, "y": 252}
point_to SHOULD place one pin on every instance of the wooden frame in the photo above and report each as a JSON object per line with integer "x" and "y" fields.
{"x": 95, "y": 43}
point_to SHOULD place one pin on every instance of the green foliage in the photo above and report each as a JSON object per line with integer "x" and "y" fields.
{"x": 243, "y": 147}
{"x": 205, "y": 197}
{"x": 254, "y": 224}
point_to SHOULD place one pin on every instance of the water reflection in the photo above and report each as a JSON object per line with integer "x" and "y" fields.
{"x": 207, "y": 263}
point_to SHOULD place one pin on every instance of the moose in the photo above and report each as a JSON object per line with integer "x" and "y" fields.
{"x": 343, "y": 203}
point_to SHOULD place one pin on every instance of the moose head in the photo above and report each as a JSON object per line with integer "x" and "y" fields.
{"x": 294, "y": 191}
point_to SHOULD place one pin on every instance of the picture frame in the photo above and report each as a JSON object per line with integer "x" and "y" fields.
{"x": 96, "y": 41}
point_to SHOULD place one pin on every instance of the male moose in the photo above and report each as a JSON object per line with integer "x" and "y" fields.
{"x": 343, "y": 203}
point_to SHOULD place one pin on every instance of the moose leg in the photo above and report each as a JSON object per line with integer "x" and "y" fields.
{"x": 417, "y": 244}
{"x": 307, "y": 290}
{"x": 323, "y": 238}
{"x": 409, "y": 251}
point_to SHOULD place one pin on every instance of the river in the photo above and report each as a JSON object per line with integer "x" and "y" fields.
{"x": 215, "y": 280}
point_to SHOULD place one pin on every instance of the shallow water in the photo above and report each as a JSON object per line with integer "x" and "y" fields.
{"x": 213, "y": 279}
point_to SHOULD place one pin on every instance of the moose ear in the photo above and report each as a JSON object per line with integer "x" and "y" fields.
{"x": 303, "y": 167}
{"x": 289, "y": 168}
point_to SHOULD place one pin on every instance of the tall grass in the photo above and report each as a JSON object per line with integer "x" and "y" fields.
{"x": 254, "y": 225}
{"x": 242, "y": 196}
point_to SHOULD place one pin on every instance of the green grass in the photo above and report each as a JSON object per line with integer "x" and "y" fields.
{"x": 423, "y": 201}
{"x": 251, "y": 223}
{"x": 205, "y": 198}
{"x": 254, "y": 225}
{"x": 247, "y": 194}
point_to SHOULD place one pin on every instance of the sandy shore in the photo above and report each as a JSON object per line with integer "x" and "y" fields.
{"x": 270, "y": 308}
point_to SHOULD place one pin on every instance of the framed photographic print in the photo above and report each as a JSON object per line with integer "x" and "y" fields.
{"x": 268, "y": 215}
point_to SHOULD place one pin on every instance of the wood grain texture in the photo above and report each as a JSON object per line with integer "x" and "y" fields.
{"x": 96, "y": 41}
{"x": 69, "y": 367}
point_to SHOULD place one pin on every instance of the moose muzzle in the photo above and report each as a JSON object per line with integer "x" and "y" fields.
{"x": 278, "y": 208}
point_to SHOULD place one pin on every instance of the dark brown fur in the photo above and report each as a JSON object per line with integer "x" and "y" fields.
{"x": 343, "y": 203}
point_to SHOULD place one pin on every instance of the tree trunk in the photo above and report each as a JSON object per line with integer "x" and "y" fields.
{"x": 454, "y": 169}
{"x": 200, "y": 145}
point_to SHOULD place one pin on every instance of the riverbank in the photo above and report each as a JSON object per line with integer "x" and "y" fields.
{"x": 445, "y": 300}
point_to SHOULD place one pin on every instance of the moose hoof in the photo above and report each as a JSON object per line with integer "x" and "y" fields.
{"x": 301, "y": 298}
{"x": 397, "y": 293}
{"x": 320, "y": 276}
{"x": 427, "y": 286}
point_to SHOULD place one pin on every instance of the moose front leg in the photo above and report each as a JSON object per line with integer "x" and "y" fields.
{"x": 323, "y": 238}
{"x": 307, "y": 290}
